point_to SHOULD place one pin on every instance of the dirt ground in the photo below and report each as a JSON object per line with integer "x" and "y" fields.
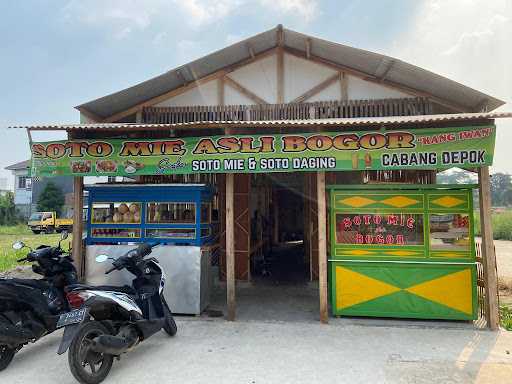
{"x": 504, "y": 258}
{"x": 504, "y": 265}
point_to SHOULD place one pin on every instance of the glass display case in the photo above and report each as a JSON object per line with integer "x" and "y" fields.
{"x": 169, "y": 214}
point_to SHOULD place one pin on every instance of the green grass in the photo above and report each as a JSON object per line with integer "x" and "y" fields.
{"x": 10, "y": 234}
{"x": 506, "y": 317}
{"x": 501, "y": 225}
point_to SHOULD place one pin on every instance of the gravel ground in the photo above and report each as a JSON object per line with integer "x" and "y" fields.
{"x": 217, "y": 351}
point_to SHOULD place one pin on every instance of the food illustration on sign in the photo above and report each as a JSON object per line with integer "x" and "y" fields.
{"x": 132, "y": 166}
{"x": 103, "y": 166}
{"x": 81, "y": 166}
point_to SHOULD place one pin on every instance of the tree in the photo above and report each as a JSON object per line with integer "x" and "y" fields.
{"x": 500, "y": 184}
{"x": 456, "y": 176}
{"x": 7, "y": 209}
{"x": 51, "y": 199}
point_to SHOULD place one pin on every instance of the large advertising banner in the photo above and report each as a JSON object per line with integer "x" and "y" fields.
{"x": 432, "y": 148}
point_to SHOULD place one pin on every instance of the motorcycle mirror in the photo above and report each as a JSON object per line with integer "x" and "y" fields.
{"x": 64, "y": 235}
{"x": 101, "y": 258}
{"x": 18, "y": 245}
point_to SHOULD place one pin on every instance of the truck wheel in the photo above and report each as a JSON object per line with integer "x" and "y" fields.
{"x": 6, "y": 356}
{"x": 36, "y": 232}
{"x": 87, "y": 366}
{"x": 49, "y": 230}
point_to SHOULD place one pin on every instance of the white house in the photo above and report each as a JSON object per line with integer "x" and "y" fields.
{"x": 27, "y": 189}
{"x": 22, "y": 186}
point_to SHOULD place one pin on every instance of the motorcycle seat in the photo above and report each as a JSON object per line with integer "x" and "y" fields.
{"x": 84, "y": 287}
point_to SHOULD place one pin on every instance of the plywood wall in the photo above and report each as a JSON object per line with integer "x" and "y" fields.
{"x": 300, "y": 75}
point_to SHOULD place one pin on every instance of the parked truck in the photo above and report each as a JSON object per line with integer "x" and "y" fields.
{"x": 48, "y": 222}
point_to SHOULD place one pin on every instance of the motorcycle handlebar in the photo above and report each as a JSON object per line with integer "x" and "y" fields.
{"x": 141, "y": 251}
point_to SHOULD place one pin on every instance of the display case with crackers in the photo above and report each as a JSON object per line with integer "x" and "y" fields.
{"x": 170, "y": 214}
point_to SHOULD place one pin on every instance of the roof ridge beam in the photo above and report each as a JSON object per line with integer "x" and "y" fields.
{"x": 280, "y": 36}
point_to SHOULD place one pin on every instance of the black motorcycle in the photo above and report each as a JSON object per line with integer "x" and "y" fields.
{"x": 30, "y": 308}
{"x": 108, "y": 320}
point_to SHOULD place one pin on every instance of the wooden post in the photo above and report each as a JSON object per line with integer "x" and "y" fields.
{"x": 138, "y": 116}
{"x": 488, "y": 255}
{"x": 344, "y": 86}
{"x": 280, "y": 64}
{"x": 275, "y": 217}
{"x": 220, "y": 91}
{"x": 322, "y": 246}
{"x": 230, "y": 245}
{"x": 78, "y": 204}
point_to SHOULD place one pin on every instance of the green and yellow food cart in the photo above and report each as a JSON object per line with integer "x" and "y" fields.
{"x": 402, "y": 251}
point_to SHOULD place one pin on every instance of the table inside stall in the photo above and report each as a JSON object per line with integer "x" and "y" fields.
{"x": 180, "y": 217}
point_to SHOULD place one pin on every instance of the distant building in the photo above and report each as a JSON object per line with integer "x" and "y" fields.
{"x": 28, "y": 189}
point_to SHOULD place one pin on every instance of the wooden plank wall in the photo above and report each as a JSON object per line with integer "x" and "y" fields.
{"x": 242, "y": 226}
{"x": 312, "y": 214}
{"x": 288, "y": 111}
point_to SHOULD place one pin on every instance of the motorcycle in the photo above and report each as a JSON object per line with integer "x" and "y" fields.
{"x": 30, "y": 308}
{"x": 110, "y": 320}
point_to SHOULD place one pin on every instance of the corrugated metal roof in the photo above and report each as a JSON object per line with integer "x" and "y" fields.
{"x": 21, "y": 165}
{"x": 357, "y": 121}
{"x": 373, "y": 65}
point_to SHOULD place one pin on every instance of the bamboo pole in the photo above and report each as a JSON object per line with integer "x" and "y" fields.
{"x": 488, "y": 253}
{"x": 230, "y": 247}
{"x": 78, "y": 203}
{"x": 322, "y": 246}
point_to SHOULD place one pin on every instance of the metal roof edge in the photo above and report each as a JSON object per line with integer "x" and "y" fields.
{"x": 355, "y": 121}
{"x": 117, "y": 101}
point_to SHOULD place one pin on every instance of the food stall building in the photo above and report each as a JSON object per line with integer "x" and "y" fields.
{"x": 288, "y": 154}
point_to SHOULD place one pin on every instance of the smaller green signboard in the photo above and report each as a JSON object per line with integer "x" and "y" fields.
{"x": 427, "y": 148}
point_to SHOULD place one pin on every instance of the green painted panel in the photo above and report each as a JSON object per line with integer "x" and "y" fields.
{"x": 383, "y": 200}
{"x": 444, "y": 255}
{"x": 403, "y": 275}
{"x": 405, "y": 305}
{"x": 409, "y": 290}
{"x": 448, "y": 201}
{"x": 343, "y": 252}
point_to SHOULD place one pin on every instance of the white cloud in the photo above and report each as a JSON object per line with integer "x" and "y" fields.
{"x": 127, "y": 16}
{"x": 188, "y": 50}
{"x": 160, "y": 38}
{"x": 467, "y": 41}
{"x": 122, "y": 16}
{"x": 306, "y": 9}
{"x": 201, "y": 12}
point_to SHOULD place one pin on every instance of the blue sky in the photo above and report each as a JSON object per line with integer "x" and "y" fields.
{"x": 58, "y": 54}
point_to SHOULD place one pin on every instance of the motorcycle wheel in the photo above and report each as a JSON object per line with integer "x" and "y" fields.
{"x": 170, "y": 326}
{"x": 6, "y": 356}
{"x": 87, "y": 366}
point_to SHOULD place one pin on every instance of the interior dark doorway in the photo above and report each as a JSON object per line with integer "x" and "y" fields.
{"x": 277, "y": 230}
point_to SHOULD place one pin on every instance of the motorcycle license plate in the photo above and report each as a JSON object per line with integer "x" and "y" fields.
{"x": 74, "y": 317}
